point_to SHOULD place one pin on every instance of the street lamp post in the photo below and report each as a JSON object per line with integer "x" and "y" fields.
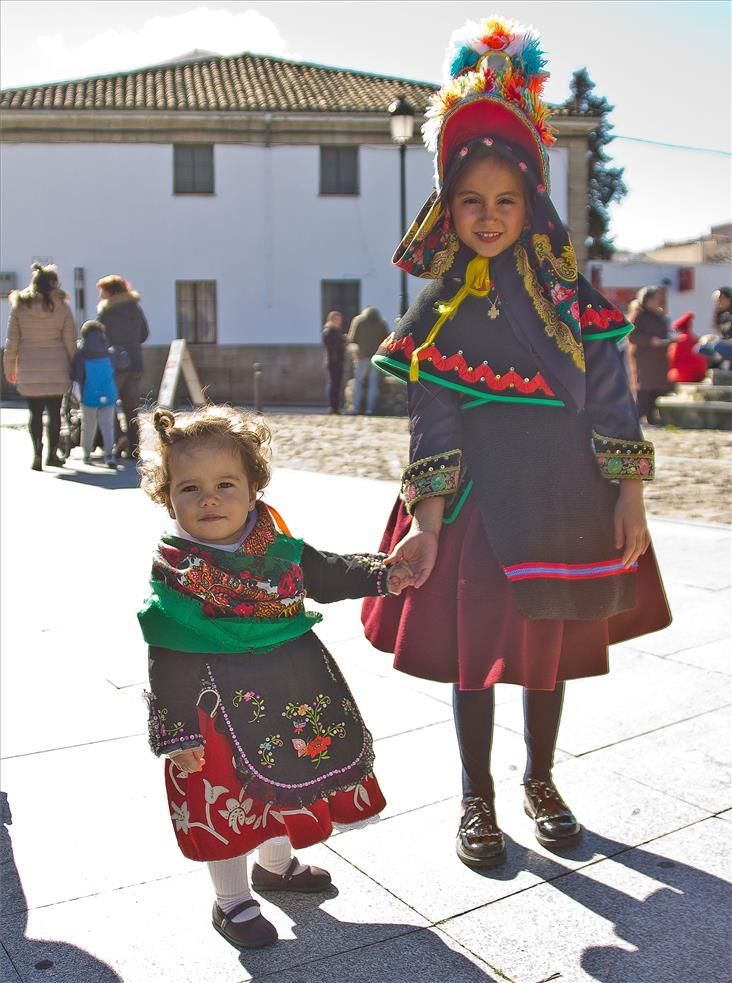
{"x": 401, "y": 121}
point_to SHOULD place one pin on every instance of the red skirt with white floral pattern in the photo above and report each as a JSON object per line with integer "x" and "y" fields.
{"x": 215, "y": 819}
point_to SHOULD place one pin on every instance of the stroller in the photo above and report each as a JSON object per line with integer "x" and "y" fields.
{"x": 70, "y": 424}
{"x": 71, "y": 428}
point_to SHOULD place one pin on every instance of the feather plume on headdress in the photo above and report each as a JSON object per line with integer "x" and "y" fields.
{"x": 494, "y": 57}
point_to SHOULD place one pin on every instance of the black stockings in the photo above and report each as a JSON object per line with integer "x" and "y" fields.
{"x": 36, "y": 405}
{"x": 473, "y": 711}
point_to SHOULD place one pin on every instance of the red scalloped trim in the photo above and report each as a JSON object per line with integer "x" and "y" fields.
{"x": 481, "y": 373}
{"x": 600, "y": 318}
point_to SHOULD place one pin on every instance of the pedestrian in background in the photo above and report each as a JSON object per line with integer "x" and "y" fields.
{"x": 92, "y": 373}
{"x": 648, "y": 351}
{"x": 367, "y": 331}
{"x": 40, "y": 345}
{"x": 334, "y": 339}
{"x": 126, "y": 327}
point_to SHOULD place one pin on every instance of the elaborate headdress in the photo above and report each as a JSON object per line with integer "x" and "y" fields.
{"x": 493, "y": 79}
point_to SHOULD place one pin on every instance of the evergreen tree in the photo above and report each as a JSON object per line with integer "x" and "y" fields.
{"x": 605, "y": 184}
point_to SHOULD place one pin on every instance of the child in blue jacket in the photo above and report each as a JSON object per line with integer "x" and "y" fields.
{"x": 92, "y": 370}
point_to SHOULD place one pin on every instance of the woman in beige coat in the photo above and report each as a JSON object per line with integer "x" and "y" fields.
{"x": 40, "y": 345}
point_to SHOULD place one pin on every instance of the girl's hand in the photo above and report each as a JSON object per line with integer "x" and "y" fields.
{"x": 418, "y": 550}
{"x": 12, "y": 377}
{"x": 190, "y": 760}
{"x": 399, "y": 577}
{"x": 631, "y": 527}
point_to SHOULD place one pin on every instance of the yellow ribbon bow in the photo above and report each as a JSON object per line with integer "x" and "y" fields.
{"x": 477, "y": 284}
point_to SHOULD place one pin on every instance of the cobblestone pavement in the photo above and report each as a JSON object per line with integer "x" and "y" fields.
{"x": 694, "y": 467}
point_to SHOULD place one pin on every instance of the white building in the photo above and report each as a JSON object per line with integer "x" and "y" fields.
{"x": 243, "y": 197}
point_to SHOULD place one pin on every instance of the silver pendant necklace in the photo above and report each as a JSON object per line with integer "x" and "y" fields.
{"x": 493, "y": 311}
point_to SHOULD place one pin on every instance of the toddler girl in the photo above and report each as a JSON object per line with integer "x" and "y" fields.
{"x": 265, "y": 745}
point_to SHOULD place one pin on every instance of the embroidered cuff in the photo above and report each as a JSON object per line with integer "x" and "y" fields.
{"x": 619, "y": 458}
{"x": 372, "y": 564}
{"x": 164, "y": 735}
{"x": 430, "y": 477}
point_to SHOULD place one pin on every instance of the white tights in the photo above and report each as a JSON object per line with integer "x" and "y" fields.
{"x": 230, "y": 880}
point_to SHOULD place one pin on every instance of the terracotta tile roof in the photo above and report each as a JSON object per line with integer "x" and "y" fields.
{"x": 246, "y": 82}
{"x": 238, "y": 82}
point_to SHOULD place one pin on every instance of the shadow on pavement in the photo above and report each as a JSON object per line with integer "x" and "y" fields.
{"x": 52, "y": 960}
{"x": 679, "y": 932}
{"x": 100, "y": 477}
{"x": 367, "y": 951}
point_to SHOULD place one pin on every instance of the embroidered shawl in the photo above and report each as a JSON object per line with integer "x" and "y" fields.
{"x": 212, "y": 601}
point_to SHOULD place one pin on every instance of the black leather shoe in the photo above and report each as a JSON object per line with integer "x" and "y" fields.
{"x": 254, "y": 934}
{"x": 480, "y": 842}
{"x": 308, "y": 881}
{"x": 554, "y": 823}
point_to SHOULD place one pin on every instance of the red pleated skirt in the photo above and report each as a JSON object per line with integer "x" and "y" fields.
{"x": 464, "y": 626}
{"x": 215, "y": 819}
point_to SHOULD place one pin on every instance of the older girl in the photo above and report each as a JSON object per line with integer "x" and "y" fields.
{"x": 521, "y": 512}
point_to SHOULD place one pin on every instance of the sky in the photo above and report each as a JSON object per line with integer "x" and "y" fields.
{"x": 664, "y": 66}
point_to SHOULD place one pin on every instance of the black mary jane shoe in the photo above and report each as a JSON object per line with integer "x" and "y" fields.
{"x": 479, "y": 842}
{"x": 308, "y": 881}
{"x": 254, "y": 934}
{"x": 554, "y": 823}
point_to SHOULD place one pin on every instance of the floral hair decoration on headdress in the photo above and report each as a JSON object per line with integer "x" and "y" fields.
{"x": 499, "y": 65}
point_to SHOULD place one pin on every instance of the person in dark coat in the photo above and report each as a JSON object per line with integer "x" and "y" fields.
{"x": 648, "y": 351}
{"x": 334, "y": 339}
{"x": 367, "y": 332}
{"x": 126, "y": 328}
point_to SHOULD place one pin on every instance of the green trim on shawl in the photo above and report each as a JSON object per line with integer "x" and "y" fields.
{"x": 618, "y": 333}
{"x": 390, "y": 367}
{"x": 171, "y": 620}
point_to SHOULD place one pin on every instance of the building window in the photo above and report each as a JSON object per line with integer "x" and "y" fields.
{"x": 339, "y": 170}
{"x": 195, "y": 310}
{"x": 340, "y": 295}
{"x": 193, "y": 170}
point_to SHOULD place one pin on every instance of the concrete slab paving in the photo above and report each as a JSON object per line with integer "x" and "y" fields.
{"x": 179, "y": 944}
{"x": 691, "y": 760}
{"x": 639, "y": 695}
{"x": 8, "y": 972}
{"x": 706, "y": 619}
{"x": 654, "y": 914}
{"x": 105, "y": 804}
{"x": 426, "y": 955}
{"x": 92, "y": 854}
{"x": 443, "y": 884}
{"x": 700, "y": 560}
{"x": 715, "y": 656}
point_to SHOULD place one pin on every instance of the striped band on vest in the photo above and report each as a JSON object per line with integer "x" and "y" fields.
{"x": 568, "y": 571}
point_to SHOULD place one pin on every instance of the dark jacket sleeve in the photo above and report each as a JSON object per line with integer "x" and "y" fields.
{"x": 144, "y": 328}
{"x": 618, "y": 440}
{"x": 435, "y": 452}
{"x": 335, "y": 577}
{"x": 175, "y": 685}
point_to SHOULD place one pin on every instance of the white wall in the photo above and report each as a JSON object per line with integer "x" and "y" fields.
{"x": 267, "y": 237}
{"x": 708, "y": 277}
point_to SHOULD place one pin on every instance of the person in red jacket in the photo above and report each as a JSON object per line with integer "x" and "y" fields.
{"x": 685, "y": 364}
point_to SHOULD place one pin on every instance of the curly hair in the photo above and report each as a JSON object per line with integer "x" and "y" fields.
{"x": 224, "y": 425}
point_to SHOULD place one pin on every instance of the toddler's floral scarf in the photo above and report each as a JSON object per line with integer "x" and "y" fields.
{"x": 207, "y": 600}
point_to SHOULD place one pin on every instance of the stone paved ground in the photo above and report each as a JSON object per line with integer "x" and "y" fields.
{"x": 94, "y": 889}
{"x": 694, "y": 467}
